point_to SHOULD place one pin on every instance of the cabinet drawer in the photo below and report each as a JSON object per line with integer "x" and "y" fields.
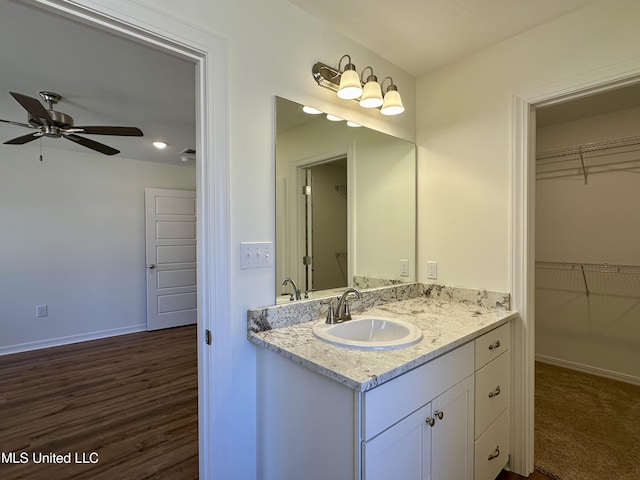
{"x": 492, "y": 449}
{"x": 492, "y": 391}
{"x": 492, "y": 344}
{"x": 392, "y": 401}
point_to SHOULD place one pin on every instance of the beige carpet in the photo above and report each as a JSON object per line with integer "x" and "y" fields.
{"x": 586, "y": 427}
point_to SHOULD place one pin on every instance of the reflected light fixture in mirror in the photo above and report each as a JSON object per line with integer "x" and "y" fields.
{"x": 311, "y": 110}
{"x": 346, "y": 82}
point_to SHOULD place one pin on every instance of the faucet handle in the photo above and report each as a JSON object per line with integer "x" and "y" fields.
{"x": 330, "y": 319}
{"x": 347, "y": 313}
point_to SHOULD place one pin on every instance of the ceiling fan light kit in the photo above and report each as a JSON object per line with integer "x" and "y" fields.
{"x": 54, "y": 124}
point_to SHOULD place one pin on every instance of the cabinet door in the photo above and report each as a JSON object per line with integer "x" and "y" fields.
{"x": 452, "y": 433}
{"x": 402, "y": 451}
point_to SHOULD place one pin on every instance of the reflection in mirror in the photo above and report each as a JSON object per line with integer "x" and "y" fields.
{"x": 345, "y": 206}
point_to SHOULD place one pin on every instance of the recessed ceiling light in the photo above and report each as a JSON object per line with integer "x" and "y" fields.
{"x": 160, "y": 145}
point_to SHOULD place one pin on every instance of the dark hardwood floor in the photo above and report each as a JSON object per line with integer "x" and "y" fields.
{"x": 129, "y": 402}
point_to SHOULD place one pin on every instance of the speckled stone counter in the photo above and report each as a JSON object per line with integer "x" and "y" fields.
{"x": 448, "y": 318}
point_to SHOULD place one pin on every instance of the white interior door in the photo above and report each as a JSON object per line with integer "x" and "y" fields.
{"x": 170, "y": 217}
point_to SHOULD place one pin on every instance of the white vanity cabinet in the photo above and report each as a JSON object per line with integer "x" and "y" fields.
{"x": 492, "y": 398}
{"x": 435, "y": 441}
{"x": 428, "y": 423}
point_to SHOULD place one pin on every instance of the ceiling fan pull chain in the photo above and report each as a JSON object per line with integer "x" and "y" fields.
{"x": 40, "y": 142}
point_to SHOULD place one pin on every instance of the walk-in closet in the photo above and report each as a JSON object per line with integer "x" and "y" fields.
{"x": 587, "y": 269}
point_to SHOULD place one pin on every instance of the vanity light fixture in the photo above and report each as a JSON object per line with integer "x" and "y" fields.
{"x": 392, "y": 104}
{"x": 372, "y": 94}
{"x": 348, "y": 85}
{"x": 353, "y": 124}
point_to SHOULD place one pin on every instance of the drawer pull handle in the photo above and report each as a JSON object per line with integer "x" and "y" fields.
{"x": 439, "y": 414}
{"x": 495, "y": 345}
{"x": 495, "y": 393}
{"x": 495, "y": 454}
{"x": 431, "y": 421}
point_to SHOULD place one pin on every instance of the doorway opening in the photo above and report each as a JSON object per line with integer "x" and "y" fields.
{"x": 587, "y": 281}
{"x": 325, "y": 207}
{"x": 208, "y": 53}
{"x": 523, "y": 235}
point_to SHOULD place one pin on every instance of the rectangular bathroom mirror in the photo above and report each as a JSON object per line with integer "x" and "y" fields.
{"x": 345, "y": 205}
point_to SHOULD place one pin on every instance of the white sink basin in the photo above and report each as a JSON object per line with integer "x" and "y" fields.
{"x": 369, "y": 333}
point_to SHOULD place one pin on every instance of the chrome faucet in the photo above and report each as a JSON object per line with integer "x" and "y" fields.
{"x": 296, "y": 290}
{"x": 341, "y": 312}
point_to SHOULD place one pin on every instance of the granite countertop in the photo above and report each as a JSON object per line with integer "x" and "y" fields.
{"x": 445, "y": 324}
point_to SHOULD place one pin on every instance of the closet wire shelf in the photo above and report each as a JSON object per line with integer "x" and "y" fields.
{"x": 589, "y": 278}
{"x": 588, "y": 158}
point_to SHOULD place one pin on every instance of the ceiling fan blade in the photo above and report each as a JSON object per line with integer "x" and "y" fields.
{"x": 17, "y": 123}
{"x": 121, "y": 131}
{"x": 93, "y": 145}
{"x": 24, "y": 139}
{"x": 34, "y": 107}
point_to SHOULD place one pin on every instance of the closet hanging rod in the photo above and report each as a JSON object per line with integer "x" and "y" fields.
{"x": 590, "y": 267}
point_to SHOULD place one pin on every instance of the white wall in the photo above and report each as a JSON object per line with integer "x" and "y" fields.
{"x": 594, "y": 223}
{"x": 272, "y": 47}
{"x": 73, "y": 238}
{"x": 464, "y": 132}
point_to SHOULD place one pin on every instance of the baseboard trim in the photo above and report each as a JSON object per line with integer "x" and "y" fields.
{"x": 622, "y": 377}
{"x": 84, "y": 337}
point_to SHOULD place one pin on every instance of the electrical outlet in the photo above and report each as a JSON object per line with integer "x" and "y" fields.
{"x": 256, "y": 255}
{"x": 404, "y": 268}
{"x": 41, "y": 311}
{"x": 432, "y": 270}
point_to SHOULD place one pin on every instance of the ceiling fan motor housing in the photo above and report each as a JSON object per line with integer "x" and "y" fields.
{"x": 60, "y": 120}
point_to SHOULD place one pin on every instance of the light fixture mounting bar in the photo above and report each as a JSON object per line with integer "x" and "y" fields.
{"x": 326, "y": 76}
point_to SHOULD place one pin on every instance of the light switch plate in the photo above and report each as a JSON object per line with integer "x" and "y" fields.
{"x": 256, "y": 255}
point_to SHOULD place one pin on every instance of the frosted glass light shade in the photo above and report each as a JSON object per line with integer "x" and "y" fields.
{"x": 372, "y": 95}
{"x": 392, "y": 103}
{"x": 350, "y": 86}
{"x": 311, "y": 110}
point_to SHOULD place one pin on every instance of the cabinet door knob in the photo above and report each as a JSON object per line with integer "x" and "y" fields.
{"x": 431, "y": 421}
{"x": 495, "y": 393}
{"x": 439, "y": 414}
{"x": 496, "y": 453}
{"x": 495, "y": 345}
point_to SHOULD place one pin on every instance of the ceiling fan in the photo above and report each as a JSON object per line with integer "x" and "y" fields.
{"x": 50, "y": 123}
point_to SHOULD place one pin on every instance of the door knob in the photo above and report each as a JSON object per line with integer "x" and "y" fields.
{"x": 151, "y": 266}
{"x": 439, "y": 414}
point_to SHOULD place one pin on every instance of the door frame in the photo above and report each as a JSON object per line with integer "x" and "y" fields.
{"x": 209, "y": 53}
{"x": 523, "y": 181}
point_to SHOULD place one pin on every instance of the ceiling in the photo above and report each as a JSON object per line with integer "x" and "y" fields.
{"x": 423, "y": 35}
{"x": 104, "y": 80}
